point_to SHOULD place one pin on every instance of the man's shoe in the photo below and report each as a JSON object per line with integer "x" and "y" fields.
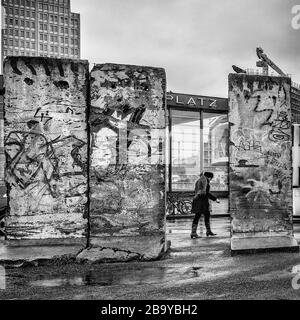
{"x": 194, "y": 234}
{"x": 209, "y": 233}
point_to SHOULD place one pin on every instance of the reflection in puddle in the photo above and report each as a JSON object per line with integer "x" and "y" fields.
{"x": 58, "y": 282}
{"x": 105, "y": 278}
{"x": 272, "y": 275}
{"x": 118, "y": 277}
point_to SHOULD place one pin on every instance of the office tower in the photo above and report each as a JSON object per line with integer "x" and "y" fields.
{"x": 45, "y": 28}
{"x": 295, "y": 103}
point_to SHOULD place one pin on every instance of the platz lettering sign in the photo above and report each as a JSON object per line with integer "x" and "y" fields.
{"x": 183, "y": 100}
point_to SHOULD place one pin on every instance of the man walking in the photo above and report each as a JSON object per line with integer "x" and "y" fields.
{"x": 201, "y": 203}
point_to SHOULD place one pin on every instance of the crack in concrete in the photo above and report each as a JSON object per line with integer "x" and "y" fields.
{"x": 115, "y": 250}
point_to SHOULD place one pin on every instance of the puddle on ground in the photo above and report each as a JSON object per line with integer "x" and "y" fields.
{"x": 108, "y": 278}
{"x": 119, "y": 277}
{"x": 288, "y": 273}
{"x": 151, "y": 276}
{"x": 58, "y": 282}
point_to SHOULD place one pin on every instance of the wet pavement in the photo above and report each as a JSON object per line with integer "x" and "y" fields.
{"x": 194, "y": 269}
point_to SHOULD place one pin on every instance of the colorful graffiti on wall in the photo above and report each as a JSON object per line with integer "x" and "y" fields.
{"x": 46, "y": 147}
{"x": 260, "y": 154}
{"x": 127, "y": 174}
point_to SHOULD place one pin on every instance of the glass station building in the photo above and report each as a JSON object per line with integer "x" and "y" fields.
{"x": 197, "y": 141}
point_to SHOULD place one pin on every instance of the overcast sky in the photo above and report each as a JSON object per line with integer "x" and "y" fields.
{"x": 196, "y": 41}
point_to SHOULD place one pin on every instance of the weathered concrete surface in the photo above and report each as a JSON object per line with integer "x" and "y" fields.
{"x": 296, "y": 156}
{"x": 144, "y": 248}
{"x": 3, "y": 197}
{"x": 2, "y": 158}
{"x": 296, "y": 170}
{"x": 127, "y": 166}
{"x": 260, "y": 183}
{"x": 253, "y": 243}
{"x": 46, "y": 147}
{"x": 13, "y": 255}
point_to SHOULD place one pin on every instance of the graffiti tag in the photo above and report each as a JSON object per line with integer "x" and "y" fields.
{"x": 280, "y": 124}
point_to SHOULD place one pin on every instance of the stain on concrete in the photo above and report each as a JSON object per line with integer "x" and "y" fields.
{"x": 28, "y": 81}
{"x": 62, "y": 84}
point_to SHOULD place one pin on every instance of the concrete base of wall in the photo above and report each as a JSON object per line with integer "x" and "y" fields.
{"x": 18, "y": 253}
{"x": 254, "y": 243}
{"x": 121, "y": 249}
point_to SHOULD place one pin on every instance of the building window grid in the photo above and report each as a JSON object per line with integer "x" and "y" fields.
{"x": 66, "y": 21}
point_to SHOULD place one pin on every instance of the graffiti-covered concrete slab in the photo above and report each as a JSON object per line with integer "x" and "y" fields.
{"x": 260, "y": 162}
{"x": 46, "y": 147}
{"x": 127, "y": 165}
{"x": 2, "y": 158}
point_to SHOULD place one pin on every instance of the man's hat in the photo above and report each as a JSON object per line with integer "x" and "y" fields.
{"x": 209, "y": 175}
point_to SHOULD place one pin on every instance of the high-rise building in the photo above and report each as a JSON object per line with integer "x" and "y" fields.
{"x": 295, "y": 103}
{"x": 40, "y": 28}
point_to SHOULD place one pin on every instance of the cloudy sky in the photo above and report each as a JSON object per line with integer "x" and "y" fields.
{"x": 196, "y": 41}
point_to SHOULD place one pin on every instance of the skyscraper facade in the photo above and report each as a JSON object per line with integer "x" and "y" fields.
{"x": 295, "y": 103}
{"x": 40, "y": 28}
